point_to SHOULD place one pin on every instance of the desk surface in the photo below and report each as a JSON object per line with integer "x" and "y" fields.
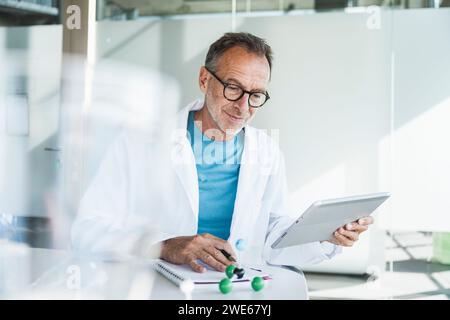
{"x": 61, "y": 275}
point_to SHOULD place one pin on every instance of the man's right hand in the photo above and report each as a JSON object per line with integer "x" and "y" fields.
{"x": 205, "y": 247}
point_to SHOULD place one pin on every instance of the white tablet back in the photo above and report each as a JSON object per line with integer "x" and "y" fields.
{"x": 322, "y": 218}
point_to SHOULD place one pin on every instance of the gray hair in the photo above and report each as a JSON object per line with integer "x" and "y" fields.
{"x": 248, "y": 41}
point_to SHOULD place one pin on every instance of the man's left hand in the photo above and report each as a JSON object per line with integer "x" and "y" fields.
{"x": 347, "y": 235}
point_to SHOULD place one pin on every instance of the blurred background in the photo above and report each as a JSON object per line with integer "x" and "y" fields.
{"x": 360, "y": 103}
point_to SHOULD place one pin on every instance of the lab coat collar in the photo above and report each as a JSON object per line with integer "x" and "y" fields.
{"x": 183, "y": 114}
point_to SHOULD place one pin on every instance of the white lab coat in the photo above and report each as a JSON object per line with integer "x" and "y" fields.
{"x": 118, "y": 212}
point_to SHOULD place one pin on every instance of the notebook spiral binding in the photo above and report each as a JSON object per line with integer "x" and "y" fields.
{"x": 169, "y": 274}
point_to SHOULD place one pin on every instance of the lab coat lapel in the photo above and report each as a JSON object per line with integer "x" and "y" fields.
{"x": 187, "y": 174}
{"x": 183, "y": 158}
{"x": 244, "y": 207}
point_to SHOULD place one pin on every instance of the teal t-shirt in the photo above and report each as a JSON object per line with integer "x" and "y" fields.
{"x": 218, "y": 164}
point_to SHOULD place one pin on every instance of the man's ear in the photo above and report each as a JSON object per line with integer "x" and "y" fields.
{"x": 203, "y": 79}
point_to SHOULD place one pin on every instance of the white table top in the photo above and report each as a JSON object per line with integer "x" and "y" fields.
{"x": 286, "y": 285}
{"x": 62, "y": 275}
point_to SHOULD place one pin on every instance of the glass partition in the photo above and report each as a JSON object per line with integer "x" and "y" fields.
{"x": 359, "y": 104}
{"x": 132, "y": 10}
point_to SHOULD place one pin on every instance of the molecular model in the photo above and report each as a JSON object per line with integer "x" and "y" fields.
{"x": 226, "y": 285}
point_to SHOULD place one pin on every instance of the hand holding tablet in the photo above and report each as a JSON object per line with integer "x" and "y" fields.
{"x": 347, "y": 235}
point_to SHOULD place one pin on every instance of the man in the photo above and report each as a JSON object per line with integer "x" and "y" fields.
{"x": 227, "y": 179}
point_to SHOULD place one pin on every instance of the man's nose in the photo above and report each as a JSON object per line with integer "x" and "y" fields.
{"x": 242, "y": 103}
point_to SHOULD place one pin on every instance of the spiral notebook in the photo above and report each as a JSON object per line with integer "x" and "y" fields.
{"x": 179, "y": 273}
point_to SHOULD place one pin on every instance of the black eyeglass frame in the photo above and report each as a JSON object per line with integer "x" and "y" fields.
{"x": 250, "y": 93}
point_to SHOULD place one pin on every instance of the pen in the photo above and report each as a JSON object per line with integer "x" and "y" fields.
{"x": 227, "y": 255}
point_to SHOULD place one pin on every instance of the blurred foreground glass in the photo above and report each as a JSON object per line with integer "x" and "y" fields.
{"x": 56, "y": 125}
{"x": 15, "y": 268}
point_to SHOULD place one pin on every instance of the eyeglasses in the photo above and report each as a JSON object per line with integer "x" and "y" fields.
{"x": 233, "y": 92}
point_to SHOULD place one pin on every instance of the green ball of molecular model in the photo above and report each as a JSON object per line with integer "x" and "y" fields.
{"x": 257, "y": 283}
{"x": 225, "y": 285}
{"x": 229, "y": 271}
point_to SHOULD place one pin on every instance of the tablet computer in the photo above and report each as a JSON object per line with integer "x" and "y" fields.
{"x": 324, "y": 217}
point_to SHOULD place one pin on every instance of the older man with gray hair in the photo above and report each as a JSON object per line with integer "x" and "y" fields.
{"x": 228, "y": 179}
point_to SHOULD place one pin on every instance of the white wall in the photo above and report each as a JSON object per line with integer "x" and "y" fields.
{"x": 331, "y": 99}
{"x": 335, "y": 68}
{"x": 333, "y": 102}
{"x": 330, "y": 94}
{"x": 420, "y": 171}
